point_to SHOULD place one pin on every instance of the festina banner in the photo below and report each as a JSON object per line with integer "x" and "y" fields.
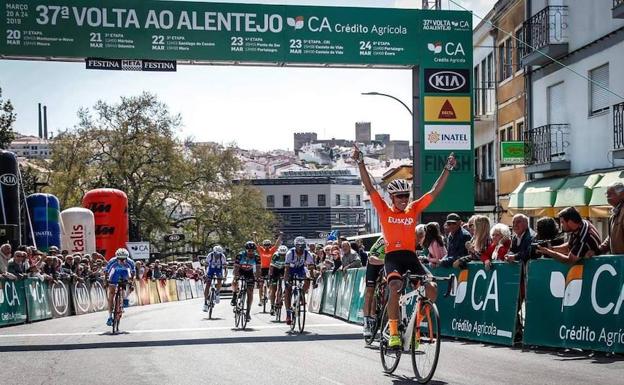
{"x": 130, "y": 65}
{"x": 483, "y": 306}
{"x": 579, "y": 306}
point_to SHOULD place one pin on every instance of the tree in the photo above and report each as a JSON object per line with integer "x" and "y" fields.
{"x": 131, "y": 146}
{"x": 7, "y": 118}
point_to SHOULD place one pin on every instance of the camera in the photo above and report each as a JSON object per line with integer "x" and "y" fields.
{"x": 533, "y": 253}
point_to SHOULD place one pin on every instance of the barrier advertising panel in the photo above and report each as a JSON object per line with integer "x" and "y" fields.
{"x": 81, "y": 298}
{"x": 37, "y": 300}
{"x": 483, "y": 307}
{"x": 58, "y": 298}
{"x": 329, "y": 292}
{"x": 153, "y": 292}
{"x": 181, "y": 290}
{"x": 12, "y": 302}
{"x": 357, "y": 298}
{"x": 345, "y": 289}
{"x": 576, "y": 306}
{"x": 97, "y": 293}
{"x": 163, "y": 293}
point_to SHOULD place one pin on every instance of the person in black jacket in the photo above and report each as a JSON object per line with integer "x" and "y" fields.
{"x": 521, "y": 239}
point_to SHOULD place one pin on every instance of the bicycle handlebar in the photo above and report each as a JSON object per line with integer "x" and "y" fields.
{"x": 424, "y": 278}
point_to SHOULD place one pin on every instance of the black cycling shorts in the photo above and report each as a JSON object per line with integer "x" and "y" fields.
{"x": 277, "y": 274}
{"x": 264, "y": 273}
{"x": 372, "y": 273}
{"x": 399, "y": 262}
{"x": 248, "y": 275}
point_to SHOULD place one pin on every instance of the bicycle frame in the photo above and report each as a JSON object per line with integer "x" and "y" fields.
{"x": 404, "y": 301}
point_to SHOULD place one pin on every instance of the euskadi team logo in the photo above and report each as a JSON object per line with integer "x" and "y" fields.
{"x": 295, "y": 22}
{"x": 568, "y": 288}
{"x": 462, "y": 287}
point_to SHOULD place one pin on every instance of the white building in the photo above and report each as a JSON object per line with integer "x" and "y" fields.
{"x": 575, "y": 133}
{"x": 484, "y": 103}
{"x": 31, "y": 147}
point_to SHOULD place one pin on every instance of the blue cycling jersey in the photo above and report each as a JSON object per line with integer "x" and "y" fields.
{"x": 117, "y": 271}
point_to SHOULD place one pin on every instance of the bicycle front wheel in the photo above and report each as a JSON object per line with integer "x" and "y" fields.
{"x": 425, "y": 342}
{"x": 294, "y": 305}
{"x": 301, "y": 309}
{"x": 243, "y": 309}
{"x": 389, "y": 357}
{"x": 211, "y": 303}
{"x": 117, "y": 311}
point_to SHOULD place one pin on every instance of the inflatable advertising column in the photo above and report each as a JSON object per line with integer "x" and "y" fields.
{"x": 110, "y": 209}
{"x": 78, "y": 225}
{"x": 9, "y": 197}
{"x": 44, "y": 217}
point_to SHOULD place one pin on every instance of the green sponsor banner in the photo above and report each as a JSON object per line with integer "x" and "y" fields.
{"x": 512, "y": 152}
{"x": 38, "y": 305}
{"x": 357, "y": 297}
{"x": 345, "y": 289}
{"x": 179, "y": 30}
{"x": 483, "y": 307}
{"x": 12, "y": 302}
{"x": 316, "y": 299}
{"x": 578, "y": 306}
{"x": 330, "y": 283}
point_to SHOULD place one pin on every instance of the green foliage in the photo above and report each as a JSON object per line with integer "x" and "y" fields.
{"x": 131, "y": 146}
{"x": 7, "y": 118}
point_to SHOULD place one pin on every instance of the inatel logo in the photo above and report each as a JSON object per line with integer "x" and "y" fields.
{"x": 433, "y": 137}
{"x": 568, "y": 288}
{"x": 8, "y": 179}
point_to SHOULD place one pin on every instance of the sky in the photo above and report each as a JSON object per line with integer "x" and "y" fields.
{"x": 254, "y": 107}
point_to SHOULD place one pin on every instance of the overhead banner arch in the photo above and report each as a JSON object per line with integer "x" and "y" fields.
{"x": 435, "y": 45}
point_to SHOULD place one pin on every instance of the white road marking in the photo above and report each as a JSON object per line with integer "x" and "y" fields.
{"x": 147, "y": 331}
{"x": 330, "y": 380}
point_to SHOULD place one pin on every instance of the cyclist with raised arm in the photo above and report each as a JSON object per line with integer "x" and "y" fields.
{"x": 374, "y": 269}
{"x": 296, "y": 261}
{"x": 398, "y": 223}
{"x": 276, "y": 271}
{"x": 266, "y": 252}
{"x": 246, "y": 265}
{"x": 216, "y": 267}
{"x": 119, "y": 268}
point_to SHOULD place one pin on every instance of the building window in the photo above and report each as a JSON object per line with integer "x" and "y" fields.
{"x": 478, "y": 91}
{"x": 490, "y": 161}
{"x": 519, "y": 130}
{"x": 598, "y": 96}
{"x": 286, "y": 200}
{"x": 358, "y": 200}
{"x": 505, "y": 65}
{"x": 321, "y": 200}
{"x": 337, "y": 199}
{"x": 303, "y": 200}
{"x": 556, "y": 111}
{"x": 347, "y": 200}
{"x": 519, "y": 38}
{"x": 270, "y": 200}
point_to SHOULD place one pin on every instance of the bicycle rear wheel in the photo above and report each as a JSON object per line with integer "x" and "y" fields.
{"x": 425, "y": 342}
{"x": 211, "y": 303}
{"x": 117, "y": 311}
{"x": 389, "y": 357}
{"x": 301, "y": 309}
{"x": 278, "y": 304}
{"x": 264, "y": 299}
{"x": 237, "y": 313}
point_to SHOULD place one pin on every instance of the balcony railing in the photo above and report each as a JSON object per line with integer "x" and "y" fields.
{"x": 546, "y": 144}
{"x": 618, "y": 125}
{"x": 549, "y": 27}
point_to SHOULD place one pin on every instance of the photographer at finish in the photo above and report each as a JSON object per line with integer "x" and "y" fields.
{"x": 584, "y": 241}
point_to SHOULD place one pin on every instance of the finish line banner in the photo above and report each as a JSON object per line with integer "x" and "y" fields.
{"x": 580, "y": 306}
{"x": 178, "y": 30}
{"x": 483, "y": 306}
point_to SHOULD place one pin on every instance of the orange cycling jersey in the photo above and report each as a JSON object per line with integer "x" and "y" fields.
{"x": 399, "y": 227}
{"x": 266, "y": 253}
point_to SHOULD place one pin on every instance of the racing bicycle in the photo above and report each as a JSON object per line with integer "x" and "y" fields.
{"x": 298, "y": 304}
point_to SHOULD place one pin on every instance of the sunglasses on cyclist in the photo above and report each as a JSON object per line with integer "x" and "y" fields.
{"x": 402, "y": 196}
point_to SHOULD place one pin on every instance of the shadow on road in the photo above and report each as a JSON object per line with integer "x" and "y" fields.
{"x": 401, "y": 380}
{"x": 182, "y": 342}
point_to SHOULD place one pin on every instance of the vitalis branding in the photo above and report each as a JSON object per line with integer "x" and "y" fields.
{"x": 447, "y": 81}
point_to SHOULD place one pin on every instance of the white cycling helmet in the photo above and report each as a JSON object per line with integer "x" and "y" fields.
{"x": 282, "y": 250}
{"x": 267, "y": 243}
{"x": 300, "y": 243}
{"x": 122, "y": 253}
{"x": 217, "y": 249}
{"x": 398, "y": 186}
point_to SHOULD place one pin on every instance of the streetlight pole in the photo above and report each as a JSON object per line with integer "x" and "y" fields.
{"x": 391, "y": 97}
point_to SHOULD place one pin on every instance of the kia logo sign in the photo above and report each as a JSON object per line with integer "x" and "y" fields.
{"x": 83, "y": 299}
{"x": 447, "y": 81}
{"x": 174, "y": 237}
{"x": 59, "y": 297}
{"x": 98, "y": 296}
{"x": 8, "y": 179}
